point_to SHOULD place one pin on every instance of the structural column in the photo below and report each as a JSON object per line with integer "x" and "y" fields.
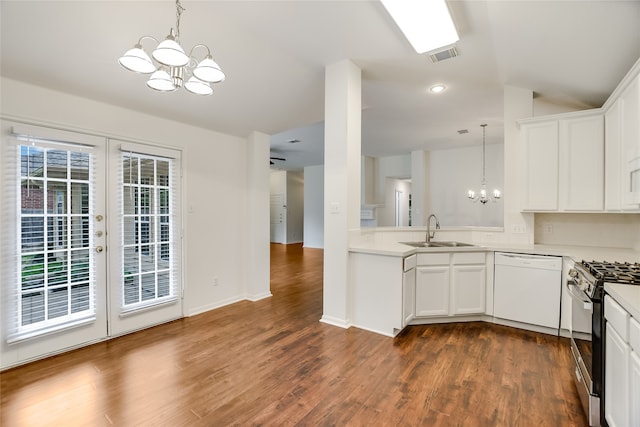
{"x": 258, "y": 255}
{"x": 342, "y": 131}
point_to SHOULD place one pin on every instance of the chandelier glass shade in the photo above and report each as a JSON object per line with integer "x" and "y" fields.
{"x": 483, "y": 196}
{"x": 171, "y": 68}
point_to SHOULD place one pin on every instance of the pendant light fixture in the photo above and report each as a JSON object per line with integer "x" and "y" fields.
{"x": 171, "y": 66}
{"x": 482, "y": 196}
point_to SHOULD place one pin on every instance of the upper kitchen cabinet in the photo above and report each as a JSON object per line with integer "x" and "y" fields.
{"x": 630, "y": 133}
{"x": 581, "y": 163}
{"x": 622, "y": 146}
{"x": 540, "y": 154}
{"x": 563, "y": 162}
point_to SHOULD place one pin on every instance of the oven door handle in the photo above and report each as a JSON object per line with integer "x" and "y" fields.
{"x": 579, "y": 295}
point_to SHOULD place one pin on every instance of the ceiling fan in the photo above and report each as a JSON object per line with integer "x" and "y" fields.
{"x": 271, "y": 159}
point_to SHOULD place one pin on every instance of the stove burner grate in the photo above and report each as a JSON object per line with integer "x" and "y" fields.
{"x": 614, "y": 272}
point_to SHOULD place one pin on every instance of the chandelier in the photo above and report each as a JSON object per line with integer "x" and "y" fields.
{"x": 171, "y": 66}
{"x": 482, "y": 196}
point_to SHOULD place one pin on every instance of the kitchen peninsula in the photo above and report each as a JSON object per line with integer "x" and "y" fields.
{"x": 386, "y": 291}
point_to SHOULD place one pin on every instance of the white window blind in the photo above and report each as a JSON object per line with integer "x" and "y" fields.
{"x": 149, "y": 226}
{"x": 49, "y": 267}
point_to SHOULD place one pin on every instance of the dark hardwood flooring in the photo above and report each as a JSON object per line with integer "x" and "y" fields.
{"x": 273, "y": 363}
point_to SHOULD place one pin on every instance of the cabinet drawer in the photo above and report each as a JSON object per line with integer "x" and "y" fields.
{"x": 441, "y": 258}
{"x": 409, "y": 262}
{"x": 617, "y": 317}
{"x": 469, "y": 257}
{"x": 634, "y": 335}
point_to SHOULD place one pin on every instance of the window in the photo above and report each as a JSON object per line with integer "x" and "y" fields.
{"x": 147, "y": 230}
{"x": 55, "y": 262}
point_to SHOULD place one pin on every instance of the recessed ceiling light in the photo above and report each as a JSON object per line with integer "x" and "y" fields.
{"x": 437, "y": 88}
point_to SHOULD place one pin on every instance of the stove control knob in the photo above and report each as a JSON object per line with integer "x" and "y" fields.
{"x": 573, "y": 273}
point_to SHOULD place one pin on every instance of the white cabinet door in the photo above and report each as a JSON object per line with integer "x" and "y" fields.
{"x": 634, "y": 388}
{"x": 613, "y": 158}
{"x": 540, "y": 153}
{"x": 581, "y": 163}
{"x": 616, "y": 407}
{"x": 631, "y": 143}
{"x": 468, "y": 289}
{"x": 408, "y": 296}
{"x": 432, "y": 291}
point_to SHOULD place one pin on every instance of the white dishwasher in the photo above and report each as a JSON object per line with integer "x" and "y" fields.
{"x": 527, "y": 288}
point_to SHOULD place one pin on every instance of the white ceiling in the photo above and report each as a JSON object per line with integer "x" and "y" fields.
{"x": 571, "y": 52}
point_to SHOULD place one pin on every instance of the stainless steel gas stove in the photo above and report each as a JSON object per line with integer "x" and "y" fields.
{"x": 585, "y": 284}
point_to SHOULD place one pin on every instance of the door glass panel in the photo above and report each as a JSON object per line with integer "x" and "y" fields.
{"x": 148, "y": 244}
{"x": 56, "y": 282}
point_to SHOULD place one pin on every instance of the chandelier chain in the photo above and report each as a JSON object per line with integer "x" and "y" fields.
{"x": 484, "y": 179}
{"x": 179, "y": 10}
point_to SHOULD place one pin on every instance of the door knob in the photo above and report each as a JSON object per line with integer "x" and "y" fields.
{"x": 99, "y": 233}
{"x": 99, "y": 249}
{"x": 99, "y": 218}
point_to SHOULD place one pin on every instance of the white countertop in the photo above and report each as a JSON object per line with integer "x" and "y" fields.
{"x": 628, "y": 296}
{"x": 577, "y": 253}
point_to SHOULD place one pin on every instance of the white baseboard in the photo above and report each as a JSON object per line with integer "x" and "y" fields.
{"x": 209, "y": 307}
{"x": 341, "y": 323}
{"x": 258, "y": 297}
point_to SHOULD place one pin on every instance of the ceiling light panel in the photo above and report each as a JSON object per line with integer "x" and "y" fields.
{"x": 426, "y": 24}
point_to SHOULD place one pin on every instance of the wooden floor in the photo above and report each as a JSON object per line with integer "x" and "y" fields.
{"x": 273, "y": 363}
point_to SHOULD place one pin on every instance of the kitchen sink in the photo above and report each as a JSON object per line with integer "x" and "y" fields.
{"x": 437, "y": 244}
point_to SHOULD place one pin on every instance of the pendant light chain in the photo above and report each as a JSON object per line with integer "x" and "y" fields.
{"x": 484, "y": 179}
{"x": 483, "y": 196}
{"x": 179, "y": 10}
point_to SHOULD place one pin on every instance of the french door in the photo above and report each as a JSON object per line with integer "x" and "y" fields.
{"x": 146, "y": 245}
{"x": 79, "y": 266}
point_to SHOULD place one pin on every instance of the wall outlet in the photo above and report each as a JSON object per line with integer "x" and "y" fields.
{"x": 518, "y": 228}
{"x": 548, "y": 228}
{"x": 215, "y": 281}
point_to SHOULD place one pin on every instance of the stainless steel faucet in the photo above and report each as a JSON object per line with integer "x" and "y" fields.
{"x": 431, "y": 235}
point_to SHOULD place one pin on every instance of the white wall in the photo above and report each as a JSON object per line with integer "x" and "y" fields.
{"x": 454, "y": 172}
{"x": 313, "y": 206}
{"x": 295, "y": 206}
{"x": 215, "y": 188}
{"x": 386, "y": 216}
{"x": 391, "y": 167}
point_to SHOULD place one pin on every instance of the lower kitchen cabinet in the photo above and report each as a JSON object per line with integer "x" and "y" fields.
{"x": 468, "y": 289}
{"x": 619, "y": 366}
{"x": 408, "y": 289}
{"x": 634, "y": 384}
{"x": 616, "y": 379}
{"x": 432, "y": 291}
{"x": 634, "y": 371}
{"x": 450, "y": 284}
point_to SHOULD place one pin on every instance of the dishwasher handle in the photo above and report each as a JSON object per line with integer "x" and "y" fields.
{"x": 543, "y": 262}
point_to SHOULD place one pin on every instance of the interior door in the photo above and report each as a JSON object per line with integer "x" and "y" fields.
{"x": 278, "y": 218}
